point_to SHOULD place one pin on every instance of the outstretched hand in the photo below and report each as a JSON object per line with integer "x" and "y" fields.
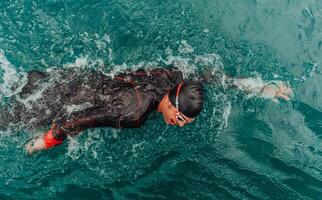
{"x": 281, "y": 90}
{"x": 35, "y": 144}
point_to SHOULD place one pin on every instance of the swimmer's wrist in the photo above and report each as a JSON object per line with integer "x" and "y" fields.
{"x": 50, "y": 141}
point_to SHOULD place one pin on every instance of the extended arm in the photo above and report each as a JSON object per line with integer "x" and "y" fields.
{"x": 251, "y": 86}
{"x": 71, "y": 126}
{"x": 258, "y": 87}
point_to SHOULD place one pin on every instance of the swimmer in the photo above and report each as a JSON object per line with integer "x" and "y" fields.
{"x": 73, "y": 101}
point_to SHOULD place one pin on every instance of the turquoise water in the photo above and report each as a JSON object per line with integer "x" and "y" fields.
{"x": 239, "y": 148}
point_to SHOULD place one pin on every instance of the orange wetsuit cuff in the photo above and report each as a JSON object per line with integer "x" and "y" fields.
{"x": 50, "y": 141}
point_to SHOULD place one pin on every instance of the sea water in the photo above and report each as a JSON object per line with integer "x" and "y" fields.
{"x": 240, "y": 147}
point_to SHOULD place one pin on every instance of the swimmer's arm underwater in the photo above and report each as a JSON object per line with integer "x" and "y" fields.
{"x": 251, "y": 86}
{"x": 265, "y": 89}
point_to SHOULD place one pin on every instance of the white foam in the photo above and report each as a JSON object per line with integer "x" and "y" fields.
{"x": 110, "y": 54}
{"x": 313, "y": 71}
{"x": 107, "y": 38}
{"x": 32, "y": 97}
{"x": 74, "y": 149}
{"x": 226, "y": 114}
{"x": 125, "y": 68}
{"x": 213, "y": 60}
{"x": 12, "y": 81}
{"x": 75, "y": 108}
{"x": 135, "y": 148}
{"x": 100, "y": 63}
{"x": 81, "y": 62}
{"x": 101, "y": 45}
{"x": 185, "y": 47}
{"x": 182, "y": 63}
{"x": 254, "y": 87}
{"x": 190, "y": 64}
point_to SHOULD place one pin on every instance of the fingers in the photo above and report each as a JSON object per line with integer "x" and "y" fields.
{"x": 29, "y": 148}
{"x": 36, "y": 144}
{"x": 287, "y": 98}
{"x": 284, "y": 91}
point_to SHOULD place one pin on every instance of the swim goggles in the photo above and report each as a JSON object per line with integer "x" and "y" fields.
{"x": 179, "y": 115}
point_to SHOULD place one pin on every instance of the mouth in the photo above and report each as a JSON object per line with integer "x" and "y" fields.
{"x": 171, "y": 122}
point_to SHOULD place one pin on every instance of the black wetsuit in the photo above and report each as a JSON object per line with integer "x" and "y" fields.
{"x": 76, "y": 100}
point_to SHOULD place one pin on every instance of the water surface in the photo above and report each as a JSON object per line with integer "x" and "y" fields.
{"x": 239, "y": 147}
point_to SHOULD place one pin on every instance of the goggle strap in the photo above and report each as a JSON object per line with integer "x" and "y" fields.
{"x": 177, "y": 95}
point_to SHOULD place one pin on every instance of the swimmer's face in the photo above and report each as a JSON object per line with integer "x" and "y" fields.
{"x": 171, "y": 115}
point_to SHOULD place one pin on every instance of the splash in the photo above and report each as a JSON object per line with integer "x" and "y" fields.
{"x": 185, "y": 47}
{"x": 27, "y": 101}
{"x": 12, "y": 80}
{"x": 75, "y": 108}
{"x": 81, "y": 62}
{"x": 255, "y": 87}
{"x": 74, "y": 149}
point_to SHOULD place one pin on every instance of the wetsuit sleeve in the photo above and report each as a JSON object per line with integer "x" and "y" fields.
{"x": 80, "y": 121}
